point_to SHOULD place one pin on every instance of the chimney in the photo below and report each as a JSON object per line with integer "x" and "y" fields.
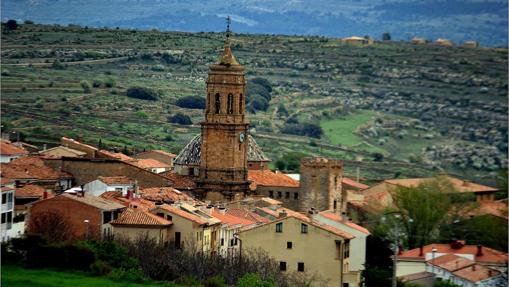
{"x": 222, "y": 209}
{"x": 282, "y": 214}
{"x": 479, "y": 250}
{"x": 421, "y": 251}
{"x": 45, "y": 195}
{"x": 129, "y": 194}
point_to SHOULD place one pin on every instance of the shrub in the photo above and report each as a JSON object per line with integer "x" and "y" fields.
{"x": 134, "y": 275}
{"x": 142, "y": 114}
{"x": 110, "y": 83}
{"x": 97, "y": 83}
{"x": 191, "y": 102}
{"x": 254, "y": 280}
{"x": 215, "y": 281}
{"x": 100, "y": 268}
{"x": 142, "y": 93}
{"x": 305, "y": 129}
{"x": 51, "y": 225}
{"x": 180, "y": 119}
{"x": 11, "y": 24}
{"x": 86, "y": 87}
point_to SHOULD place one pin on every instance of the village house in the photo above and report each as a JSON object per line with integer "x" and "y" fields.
{"x": 9, "y": 152}
{"x": 414, "y": 260}
{"x": 7, "y": 213}
{"x": 134, "y": 223}
{"x": 109, "y": 183}
{"x": 291, "y": 239}
{"x": 359, "y": 40}
{"x": 471, "y": 44}
{"x": 444, "y": 42}
{"x": 88, "y": 216}
{"x": 191, "y": 227}
{"x": 418, "y": 41}
{"x": 61, "y": 151}
{"x": 153, "y": 165}
{"x": 159, "y": 155}
{"x": 357, "y": 258}
{"x": 464, "y": 272}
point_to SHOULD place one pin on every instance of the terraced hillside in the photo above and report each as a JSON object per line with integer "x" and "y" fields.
{"x": 389, "y": 109}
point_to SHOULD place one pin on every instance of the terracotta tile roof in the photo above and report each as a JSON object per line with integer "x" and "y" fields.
{"x": 164, "y": 193}
{"x": 476, "y": 273}
{"x": 489, "y": 255}
{"x": 132, "y": 216}
{"x": 31, "y": 168}
{"x": 111, "y": 180}
{"x": 6, "y": 188}
{"x": 177, "y": 211}
{"x": 353, "y": 183}
{"x": 151, "y": 163}
{"x": 451, "y": 262}
{"x": 94, "y": 201}
{"x": 338, "y": 218}
{"x": 496, "y": 208}
{"x": 11, "y": 150}
{"x": 112, "y": 194}
{"x": 271, "y": 201}
{"x": 162, "y": 152}
{"x": 229, "y": 219}
{"x": 6, "y": 180}
{"x": 270, "y": 178}
{"x": 246, "y": 214}
{"x": 116, "y": 155}
{"x": 458, "y": 184}
{"x": 61, "y": 151}
{"x": 30, "y": 191}
{"x": 415, "y": 276}
{"x": 184, "y": 182}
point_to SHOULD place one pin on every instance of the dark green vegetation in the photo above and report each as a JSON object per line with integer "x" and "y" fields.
{"x": 391, "y": 109}
{"x": 128, "y": 263}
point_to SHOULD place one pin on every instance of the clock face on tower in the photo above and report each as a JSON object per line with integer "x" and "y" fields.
{"x": 241, "y": 137}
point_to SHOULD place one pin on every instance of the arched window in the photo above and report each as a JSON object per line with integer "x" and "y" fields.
{"x": 240, "y": 104}
{"x": 230, "y": 104}
{"x": 208, "y": 103}
{"x": 218, "y": 103}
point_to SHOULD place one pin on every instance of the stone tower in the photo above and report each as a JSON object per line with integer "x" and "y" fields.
{"x": 223, "y": 158}
{"x": 320, "y": 184}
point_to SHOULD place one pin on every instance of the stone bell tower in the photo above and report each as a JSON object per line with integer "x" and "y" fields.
{"x": 223, "y": 159}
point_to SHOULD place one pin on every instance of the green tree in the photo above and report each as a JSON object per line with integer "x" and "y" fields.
{"x": 427, "y": 205}
{"x": 85, "y": 85}
{"x": 11, "y": 24}
{"x": 445, "y": 283}
{"x": 254, "y": 280}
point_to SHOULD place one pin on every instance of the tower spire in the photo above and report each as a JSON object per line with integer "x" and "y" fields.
{"x": 228, "y": 31}
{"x": 227, "y": 58}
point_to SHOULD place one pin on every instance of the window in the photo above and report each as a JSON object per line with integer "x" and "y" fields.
{"x": 300, "y": 266}
{"x": 160, "y": 214}
{"x": 271, "y": 194}
{"x": 282, "y": 266}
{"x": 346, "y": 252}
{"x": 279, "y": 194}
{"x": 279, "y": 227}
{"x": 222, "y": 241}
{"x": 106, "y": 217}
{"x": 169, "y": 217}
{"x": 295, "y": 195}
{"x": 346, "y": 285}
{"x": 338, "y": 250}
{"x": 232, "y": 242}
{"x": 3, "y": 217}
{"x": 118, "y": 189}
{"x": 289, "y": 245}
{"x": 4, "y": 198}
{"x": 303, "y": 228}
{"x": 218, "y": 103}
{"x": 240, "y": 104}
{"x": 9, "y": 198}
{"x": 287, "y": 194}
{"x": 335, "y": 204}
{"x": 230, "y": 104}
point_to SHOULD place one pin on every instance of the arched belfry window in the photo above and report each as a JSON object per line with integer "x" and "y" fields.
{"x": 240, "y": 104}
{"x": 230, "y": 103}
{"x": 218, "y": 103}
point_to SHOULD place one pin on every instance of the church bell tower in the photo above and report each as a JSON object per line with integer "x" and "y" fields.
{"x": 223, "y": 159}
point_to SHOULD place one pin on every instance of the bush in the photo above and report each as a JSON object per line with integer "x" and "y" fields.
{"x": 134, "y": 275}
{"x": 180, "y": 119}
{"x": 142, "y": 114}
{"x": 254, "y": 280}
{"x": 97, "y": 83}
{"x": 215, "y": 281}
{"x": 142, "y": 93}
{"x": 100, "y": 268}
{"x": 191, "y": 102}
{"x": 11, "y": 24}
{"x": 110, "y": 83}
{"x": 306, "y": 129}
{"x": 86, "y": 87}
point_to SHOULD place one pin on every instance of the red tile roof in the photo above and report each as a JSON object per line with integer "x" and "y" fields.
{"x": 11, "y": 150}
{"x": 151, "y": 163}
{"x": 229, "y": 219}
{"x": 270, "y": 178}
{"x": 30, "y": 191}
{"x": 177, "y": 211}
{"x": 476, "y": 273}
{"x": 31, "y": 168}
{"x": 184, "y": 182}
{"x": 353, "y": 183}
{"x": 116, "y": 155}
{"x": 164, "y": 193}
{"x": 459, "y": 184}
{"x": 451, "y": 262}
{"x": 132, "y": 216}
{"x": 246, "y": 214}
{"x": 338, "y": 218}
{"x": 6, "y": 180}
{"x": 169, "y": 154}
{"x": 496, "y": 208}
{"x": 111, "y": 180}
{"x": 489, "y": 255}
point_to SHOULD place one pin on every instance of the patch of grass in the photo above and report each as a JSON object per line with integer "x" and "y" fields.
{"x": 16, "y": 276}
{"x": 342, "y": 131}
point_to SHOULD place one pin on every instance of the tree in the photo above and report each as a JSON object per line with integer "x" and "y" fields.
{"x": 180, "y": 119}
{"x": 142, "y": 93}
{"x": 11, "y": 24}
{"x": 86, "y": 87}
{"x": 191, "y": 102}
{"x": 445, "y": 283}
{"x": 52, "y": 226}
{"x": 386, "y": 36}
{"x": 427, "y": 205}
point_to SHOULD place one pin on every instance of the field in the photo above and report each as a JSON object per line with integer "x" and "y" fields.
{"x": 423, "y": 108}
{"x": 20, "y": 277}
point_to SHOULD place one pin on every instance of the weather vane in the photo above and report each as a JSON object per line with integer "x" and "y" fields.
{"x": 228, "y": 23}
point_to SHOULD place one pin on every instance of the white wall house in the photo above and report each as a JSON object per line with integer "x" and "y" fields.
{"x": 7, "y": 213}
{"x": 10, "y": 152}
{"x": 112, "y": 183}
